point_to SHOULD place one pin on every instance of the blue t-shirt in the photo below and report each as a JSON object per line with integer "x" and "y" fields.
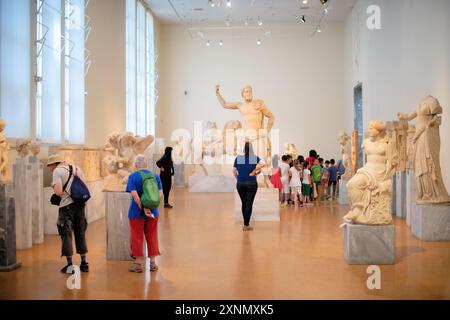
{"x": 245, "y": 166}
{"x": 333, "y": 172}
{"x": 135, "y": 183}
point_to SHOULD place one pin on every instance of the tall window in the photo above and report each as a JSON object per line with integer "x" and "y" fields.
{"x": 74, "y": 71}
{"x": 15, "y": 74}
{"x": 140, "y": 69}
{"x": 54, "y": 112}
{"x": 48, "y": 87}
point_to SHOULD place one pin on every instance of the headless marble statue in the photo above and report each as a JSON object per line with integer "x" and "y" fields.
{"x": 346, "y": 150}
{"x": 427, "y": 145}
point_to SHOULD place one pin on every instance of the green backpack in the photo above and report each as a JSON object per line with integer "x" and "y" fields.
{"x": 150, "y": 195}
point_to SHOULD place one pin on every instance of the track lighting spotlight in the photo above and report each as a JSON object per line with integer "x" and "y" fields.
{"x": 258, "y": 42}
{"x": 228, "y": 3}
{"x": 323, "y": 1}
{"x": 303, "y": 19}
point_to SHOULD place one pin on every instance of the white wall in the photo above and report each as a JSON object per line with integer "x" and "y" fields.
{"x": 400, "y": 64}
{"x": 105, "y": 81}
{"x": 300, "y": 77}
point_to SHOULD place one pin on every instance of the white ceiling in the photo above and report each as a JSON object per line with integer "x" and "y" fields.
{"x": 280, "y": 11}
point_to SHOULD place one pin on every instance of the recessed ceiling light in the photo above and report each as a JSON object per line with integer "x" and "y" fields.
{"x": 319, "y": 30}
{"x": 208, "y": 43}
{"x": 260, "y": 23}
{"x": 211, "y": 3}
{"x": 258, "y": 42}
{"x": 305, "y": 1}
{"x": 228, "y": 3}
{"x": 220, "y": 43}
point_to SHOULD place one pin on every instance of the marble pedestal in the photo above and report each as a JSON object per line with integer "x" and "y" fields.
{"x": 37, "y": 199}
{"x": 394, "y": 196}
{"x": 22, "y": 192}
{"x": 179, "y": 181}
{"x": 400, "y": 194}
{"x": 266, "y": 206}
{"x": 410, "y": 194}
{"x": 431, "y": 222}
{"x": 95, "y": 207}
{"x": 117, "y": 226}
{"x": 343, "y": 195}
{"x": 365, "y": 244}
{"x": 8, "y": 260}
{"x": 216, "y": 183}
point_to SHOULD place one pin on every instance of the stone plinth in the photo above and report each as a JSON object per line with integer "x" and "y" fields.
{"x": 117, "y": 226}
{"x": 431, "y": 222}
{"x": 343, "y": 194}
{"x": 394, "y": 196}
{"x": 8, "y": 260}
{"x": 179, "y": 181}
{"x": 217, "y": 183}
{"x": 400, "y": 194}
{"x": 410, "y": 194}
{"x": 266, "y": 206}
{"x": 37, "y": 199}
{"x": 22, "y": 191}
{"x": 365, "y": 244}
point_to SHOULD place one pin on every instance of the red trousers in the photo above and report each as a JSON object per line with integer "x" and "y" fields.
{"x": 139, "y": 227}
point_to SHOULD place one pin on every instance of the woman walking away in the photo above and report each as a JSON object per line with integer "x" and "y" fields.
{"x": 166, "y": 172}
{"x": 245, "y": 169}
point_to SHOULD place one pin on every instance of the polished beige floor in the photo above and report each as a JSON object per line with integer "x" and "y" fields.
{"x": 206, "y": 255}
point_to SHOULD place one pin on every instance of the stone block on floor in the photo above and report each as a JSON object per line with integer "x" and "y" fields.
{"x": 364, "y": 244}
{"x": 431, "y": 222}
{"x": 216, "y": 183}
{"x": 266, "y": 206}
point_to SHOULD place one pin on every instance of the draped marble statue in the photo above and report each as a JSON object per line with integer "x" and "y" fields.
{"x": 230, "y": 141}
{"x": 346, "y": 151}
{"x": 427, "y": 145}
{"x": 291, "y": 150}
{"x": 253, "y": 112}
{"x": 122, "y": 148}
{"x": 4, "y": 148}
{"x": 23, "y": 147}
{"x": 370, "y": 189}
{"x": 410, "y": 146}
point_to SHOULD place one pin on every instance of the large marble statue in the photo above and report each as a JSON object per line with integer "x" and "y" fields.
{"x": 291, "y": 150}
{"x": 410, "y": 146}
{"x": 23, "y": 147}
{"x": 399, "y": 129}
{"x": 123, "y": 148}
{"x": 370, "y": 189}
{"x": 346, "y": 151}
{"x": 35, "y": 148}
{"x": 253, "y": 112}
{"x": 427, "y": 144}
{"x": 4, "y": 147}
{"x": 212, "y": 142}
{"x": 230, "y": 141}
{"x": 182, "y": 150}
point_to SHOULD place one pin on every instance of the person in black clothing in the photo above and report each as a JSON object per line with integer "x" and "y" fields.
{"x": 245, "y": 169}
{"x": 166, "y": 172}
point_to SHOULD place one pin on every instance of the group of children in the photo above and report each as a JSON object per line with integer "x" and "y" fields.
{"x": 306, "y": 180}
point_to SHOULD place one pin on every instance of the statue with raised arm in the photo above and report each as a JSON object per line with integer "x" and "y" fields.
{"x": 253, "y": 112}
{"x": 427, "y": 145}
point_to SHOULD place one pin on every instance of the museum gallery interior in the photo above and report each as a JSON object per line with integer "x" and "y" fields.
{"x": 153, "y": 111}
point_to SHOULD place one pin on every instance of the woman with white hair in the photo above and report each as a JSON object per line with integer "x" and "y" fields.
{"x": 143, "y": 221}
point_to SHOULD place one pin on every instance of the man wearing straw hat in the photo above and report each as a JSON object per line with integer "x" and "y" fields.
{"x": 71, "y": 216}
